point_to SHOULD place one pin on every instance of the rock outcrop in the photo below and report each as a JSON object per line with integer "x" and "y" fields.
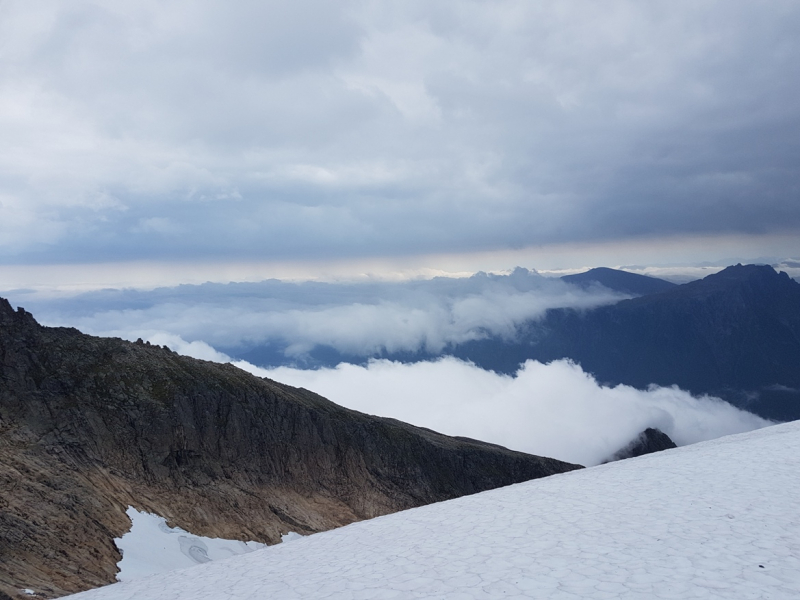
{"x": 91, "y": 425}
{"x": 649, "y": 441}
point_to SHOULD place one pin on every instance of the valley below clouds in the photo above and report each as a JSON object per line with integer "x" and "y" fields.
{"x": 333, "y": 196}
{"x": 553, "y": 409}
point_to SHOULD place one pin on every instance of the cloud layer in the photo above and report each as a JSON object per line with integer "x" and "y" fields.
{"x": 552, "y": 410}
{"x": 359, "y": 319}
{"x": 307, "y": 128}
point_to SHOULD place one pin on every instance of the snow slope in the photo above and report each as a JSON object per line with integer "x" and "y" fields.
{"x": 719, "y": 519}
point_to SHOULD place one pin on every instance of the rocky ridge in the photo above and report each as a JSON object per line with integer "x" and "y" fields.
{"x": 91, "y": 425}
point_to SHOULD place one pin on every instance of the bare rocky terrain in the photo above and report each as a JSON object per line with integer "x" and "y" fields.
{"x": 91, "y": 425}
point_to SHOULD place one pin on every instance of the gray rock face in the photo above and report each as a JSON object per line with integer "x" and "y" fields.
{"x": 91, "y": 425}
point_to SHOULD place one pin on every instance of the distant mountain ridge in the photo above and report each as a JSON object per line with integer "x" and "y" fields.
{"x": 734, "y": 334}
{"x": 620, "y": 281}
{"x": 91, "y": 425}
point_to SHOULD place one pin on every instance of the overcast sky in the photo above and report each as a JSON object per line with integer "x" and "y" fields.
{"x": 306, "y": 130}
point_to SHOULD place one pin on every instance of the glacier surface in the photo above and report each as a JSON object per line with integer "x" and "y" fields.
{"x": 719, "y": 519}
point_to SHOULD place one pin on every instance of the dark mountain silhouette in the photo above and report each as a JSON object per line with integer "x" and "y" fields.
{"x": 620, "y": 281}
{"x": 735, "y": 334}
{"x": 91, "y": 425}
{"x": 649, "y": 441}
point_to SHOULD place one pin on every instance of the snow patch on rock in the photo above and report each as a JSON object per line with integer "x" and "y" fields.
{"x": 151, "y": 547}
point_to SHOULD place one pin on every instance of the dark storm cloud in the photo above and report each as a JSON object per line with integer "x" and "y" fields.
{"x": 308, "y": 129}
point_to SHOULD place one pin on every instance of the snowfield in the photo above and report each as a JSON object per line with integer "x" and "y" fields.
{"x": 720, "y": 519}
{"x": 153, "y": 547}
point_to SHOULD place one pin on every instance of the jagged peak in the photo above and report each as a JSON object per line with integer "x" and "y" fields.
{"x": 8, "y": 315}
{"x": 740, "y": 271}
{"x": 751, "y": 275}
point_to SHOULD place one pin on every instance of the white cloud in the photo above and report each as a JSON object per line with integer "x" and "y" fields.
{"x": 358, "y": 318}
{"x": 195, "y": 349}
{"x": 158, "y": 225}
{"x": 552, "y": 410}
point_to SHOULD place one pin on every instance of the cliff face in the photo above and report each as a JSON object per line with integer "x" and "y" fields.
{"x": 91, "y": 425}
